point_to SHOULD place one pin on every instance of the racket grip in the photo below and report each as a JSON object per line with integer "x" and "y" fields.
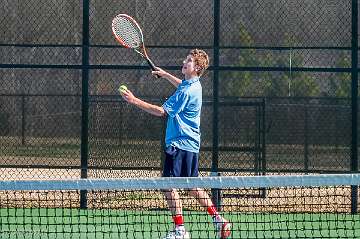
{"x": 152, "y": 66}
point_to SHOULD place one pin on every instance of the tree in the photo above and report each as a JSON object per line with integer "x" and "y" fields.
{"x": 265, "y": 83}
{"x": 340, "y": 84}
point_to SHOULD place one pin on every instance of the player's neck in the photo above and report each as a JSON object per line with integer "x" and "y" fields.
{"x": 190, "y": 76}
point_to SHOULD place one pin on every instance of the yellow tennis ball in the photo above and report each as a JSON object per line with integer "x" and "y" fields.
{"x": 122, "y": 89}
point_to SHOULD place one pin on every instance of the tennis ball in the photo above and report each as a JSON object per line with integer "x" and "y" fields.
{"x": 122, "y": 89}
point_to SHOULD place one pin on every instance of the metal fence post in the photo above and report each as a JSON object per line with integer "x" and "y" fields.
{"x": 354, "y": 102}
{"x": 85, "y": 101}
{"x": 215, "y": 153}
{"x": 23, "y": 120}
{"x": 306, "y": 139}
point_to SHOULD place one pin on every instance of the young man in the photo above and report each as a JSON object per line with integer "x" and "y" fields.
{"x": 182, "y": 138}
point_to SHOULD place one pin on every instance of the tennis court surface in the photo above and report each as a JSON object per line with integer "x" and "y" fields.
{"x": 304, "y": 206}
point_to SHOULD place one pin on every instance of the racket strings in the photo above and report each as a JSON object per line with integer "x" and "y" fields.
{"x": 128, "y": 32}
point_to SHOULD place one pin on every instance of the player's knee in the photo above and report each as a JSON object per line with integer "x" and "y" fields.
{"x": 194, "y": 192}
{"x": 169, "y": 193}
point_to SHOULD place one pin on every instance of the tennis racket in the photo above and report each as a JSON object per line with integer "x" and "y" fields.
{"x": 128, "y": 33}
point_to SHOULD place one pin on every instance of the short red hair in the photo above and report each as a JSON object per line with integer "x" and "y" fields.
{"x": 201, "y": 60}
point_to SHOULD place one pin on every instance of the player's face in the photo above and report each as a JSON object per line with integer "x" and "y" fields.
{"x": 188, "y": 68}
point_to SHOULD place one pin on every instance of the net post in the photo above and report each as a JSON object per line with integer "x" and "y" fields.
{"x": 216, "y": 193}
{"x": 354, "y": 102}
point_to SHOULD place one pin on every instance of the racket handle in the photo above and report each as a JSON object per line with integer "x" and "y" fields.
{"x": 152, "y": 66}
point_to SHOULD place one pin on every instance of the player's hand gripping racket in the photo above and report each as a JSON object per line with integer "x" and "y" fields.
{"x": 128, "y": 33}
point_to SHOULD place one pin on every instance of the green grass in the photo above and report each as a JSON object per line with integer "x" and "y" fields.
{"x": 75, "y": 223}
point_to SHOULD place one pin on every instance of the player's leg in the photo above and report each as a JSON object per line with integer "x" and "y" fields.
{"x": 222, "y": 226}
{"x": 172, "y": 168}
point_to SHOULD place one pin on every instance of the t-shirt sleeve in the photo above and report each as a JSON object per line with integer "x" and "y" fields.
{"x": 176, "y": 103}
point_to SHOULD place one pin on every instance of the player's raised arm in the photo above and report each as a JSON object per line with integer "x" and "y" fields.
{"x": 171, "y": 78}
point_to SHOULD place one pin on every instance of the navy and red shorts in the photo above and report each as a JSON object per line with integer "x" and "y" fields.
{"x": 180, "y": 163}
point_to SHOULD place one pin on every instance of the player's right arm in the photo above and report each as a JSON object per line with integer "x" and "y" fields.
{"x": 171, "y": 78}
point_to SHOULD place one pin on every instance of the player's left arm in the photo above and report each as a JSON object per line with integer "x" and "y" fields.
{"x": 147, "y": 107}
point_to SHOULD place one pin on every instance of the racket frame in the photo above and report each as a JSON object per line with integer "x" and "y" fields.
{"x": 141, "y": 50}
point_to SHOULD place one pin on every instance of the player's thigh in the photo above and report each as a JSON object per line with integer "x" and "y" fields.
{"x": 180, "y": 163}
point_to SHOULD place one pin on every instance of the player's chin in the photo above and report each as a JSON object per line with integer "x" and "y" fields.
{"x": 183, "y": 70}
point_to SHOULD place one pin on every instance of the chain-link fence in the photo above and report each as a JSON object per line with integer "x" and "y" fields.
{"x": 279, "y": 96}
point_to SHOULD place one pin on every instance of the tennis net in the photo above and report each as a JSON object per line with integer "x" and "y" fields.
{"x": 303, "y": 206}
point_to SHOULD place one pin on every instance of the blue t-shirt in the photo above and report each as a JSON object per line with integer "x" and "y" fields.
{"x": 184, "y": 109}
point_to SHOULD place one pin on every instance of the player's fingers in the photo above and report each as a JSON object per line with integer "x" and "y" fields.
{"x": 128, "y": 94}
{"x": 126, "y": 98}
{"x": 158, "y": 73}
{"x": 125, "y": 94}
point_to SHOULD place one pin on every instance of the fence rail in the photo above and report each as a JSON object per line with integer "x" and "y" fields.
{"x": 280, "y": 94}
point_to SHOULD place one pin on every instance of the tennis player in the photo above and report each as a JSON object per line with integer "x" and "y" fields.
{"x": 182, "y": 138}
